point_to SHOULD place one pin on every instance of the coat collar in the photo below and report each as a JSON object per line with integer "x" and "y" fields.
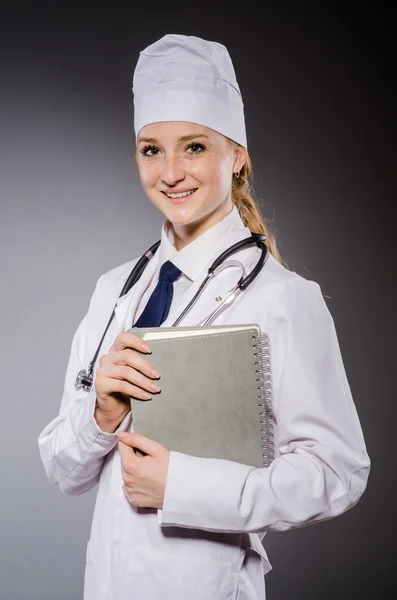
{"x": 220, "y": 285}
{"x": 202, "y": 256}
{"x": 201, "y": 251}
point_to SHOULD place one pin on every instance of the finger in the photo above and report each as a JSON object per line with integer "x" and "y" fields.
{"x": 129, "y": 340}
{"x": 135, "y": 498}
{"x": 135, "y": 360}
{"x": 126, "y": 451}
{"x": 109, "y": 386}
{"x": 131, "y": 359}
{"x": 136, "y": 440}
{"x": 120, "y": 386}
{"x": 138, "y": 499}
{"x": 132, "y": 376}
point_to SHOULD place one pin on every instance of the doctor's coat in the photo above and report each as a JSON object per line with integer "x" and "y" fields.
{"x": 206, "y": 541}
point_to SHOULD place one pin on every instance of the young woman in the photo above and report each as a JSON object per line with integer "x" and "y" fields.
{"x": 168, "y": 525}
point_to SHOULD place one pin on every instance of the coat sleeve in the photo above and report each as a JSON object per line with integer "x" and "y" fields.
{"x": 72, "y": 447}
{"x": 321, "y": 464}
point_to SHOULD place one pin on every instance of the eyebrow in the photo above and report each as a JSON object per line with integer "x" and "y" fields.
{"x": 184, "y": 138}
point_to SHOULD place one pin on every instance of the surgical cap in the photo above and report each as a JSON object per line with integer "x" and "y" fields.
{"x": 186, "y": 78}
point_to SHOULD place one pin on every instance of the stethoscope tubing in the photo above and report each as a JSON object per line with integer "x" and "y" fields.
{"x": 132, "y": 279}
{"x": 85, "y": 378}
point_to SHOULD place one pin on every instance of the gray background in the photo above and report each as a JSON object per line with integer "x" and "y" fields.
{"x": 317, "y": 87}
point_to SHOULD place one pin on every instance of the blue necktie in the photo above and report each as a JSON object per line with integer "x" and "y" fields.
{"x": 158, "y": 306}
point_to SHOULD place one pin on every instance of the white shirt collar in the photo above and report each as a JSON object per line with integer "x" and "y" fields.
{"x": 193, "y": 257}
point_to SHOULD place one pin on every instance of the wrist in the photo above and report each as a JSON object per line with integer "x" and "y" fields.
{"x": 108, "y": 423}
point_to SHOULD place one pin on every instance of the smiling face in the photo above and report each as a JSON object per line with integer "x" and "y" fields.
{"x": 186, "y": 170}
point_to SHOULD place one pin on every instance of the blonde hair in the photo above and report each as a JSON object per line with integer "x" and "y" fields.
{"x": 247, "y": 208}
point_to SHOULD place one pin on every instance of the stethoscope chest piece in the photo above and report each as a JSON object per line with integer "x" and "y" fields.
{"x": 83, "y": 381}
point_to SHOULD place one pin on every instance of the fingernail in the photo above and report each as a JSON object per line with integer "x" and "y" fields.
{"x": 146, "y": 396}
{"x": 145, "y": 347}
{"x": 155, "y": 387}
{"x": 154, "y": 373}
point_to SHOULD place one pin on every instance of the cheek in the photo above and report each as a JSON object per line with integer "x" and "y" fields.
{"x": 218, "y": 174}
{"x": 147, "y": 175}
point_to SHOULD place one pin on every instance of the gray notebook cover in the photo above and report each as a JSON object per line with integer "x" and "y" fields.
{"x": 215, "y": 399}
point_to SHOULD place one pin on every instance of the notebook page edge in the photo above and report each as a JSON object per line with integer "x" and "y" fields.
{"x": 177, "y": 332}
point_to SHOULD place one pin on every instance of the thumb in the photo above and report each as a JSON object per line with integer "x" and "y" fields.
{"x": 136, "y": 440}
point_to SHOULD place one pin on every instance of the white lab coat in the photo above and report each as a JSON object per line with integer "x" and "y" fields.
{"x": 206, "y": 541}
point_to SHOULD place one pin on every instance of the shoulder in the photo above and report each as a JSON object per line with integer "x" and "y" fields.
{"x": 276, "y": 274}
{"x": 116, "y": 277}
{"x": 291, "y": 291}
{"x": 110, "y": 284}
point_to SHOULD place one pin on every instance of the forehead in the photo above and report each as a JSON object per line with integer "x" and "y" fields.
{"x": 175, "y": 130}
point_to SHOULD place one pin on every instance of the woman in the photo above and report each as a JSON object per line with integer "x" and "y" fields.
{"x": 169, "y": 525}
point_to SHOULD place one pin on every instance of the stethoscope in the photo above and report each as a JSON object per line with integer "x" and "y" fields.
{"x": 85, "y": 378}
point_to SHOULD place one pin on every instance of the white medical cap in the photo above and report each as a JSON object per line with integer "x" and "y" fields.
{"x": 186, "y": 78}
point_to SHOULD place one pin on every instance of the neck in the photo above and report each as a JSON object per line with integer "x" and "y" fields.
{"x": 185, "y": 234}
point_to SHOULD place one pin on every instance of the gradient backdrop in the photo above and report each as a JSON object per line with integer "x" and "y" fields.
{"x": 317, "y": 87}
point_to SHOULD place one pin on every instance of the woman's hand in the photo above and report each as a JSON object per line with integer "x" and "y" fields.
{"x": 123, "y": 373}
{"x": 144, "y": 477}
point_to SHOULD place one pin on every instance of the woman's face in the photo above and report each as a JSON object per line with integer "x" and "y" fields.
{"x": 186, "y": 171}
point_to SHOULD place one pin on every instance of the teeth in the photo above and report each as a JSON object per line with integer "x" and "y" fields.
{"x": 181, "y": 195}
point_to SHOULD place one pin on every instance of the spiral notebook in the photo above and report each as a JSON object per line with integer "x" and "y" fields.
{"x": 215, "y": 399}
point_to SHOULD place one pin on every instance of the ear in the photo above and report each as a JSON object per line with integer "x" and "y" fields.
{"x": 240, "y": 158}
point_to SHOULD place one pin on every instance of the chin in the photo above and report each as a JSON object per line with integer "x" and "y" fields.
{"x": 182, "y": 214}
{"x": 193, "y": 210}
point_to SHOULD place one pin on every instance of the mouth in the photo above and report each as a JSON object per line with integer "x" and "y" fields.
{"x": 180, "y": 197}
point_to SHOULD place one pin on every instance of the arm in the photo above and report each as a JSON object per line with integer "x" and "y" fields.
{"x": 74, "y": 446}
{"x": 322, "y": 466}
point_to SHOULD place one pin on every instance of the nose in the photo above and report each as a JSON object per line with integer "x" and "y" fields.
{"x": 173, "y": 171}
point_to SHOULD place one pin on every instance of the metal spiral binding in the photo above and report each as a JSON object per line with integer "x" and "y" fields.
{"x": 264, "y": 388}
